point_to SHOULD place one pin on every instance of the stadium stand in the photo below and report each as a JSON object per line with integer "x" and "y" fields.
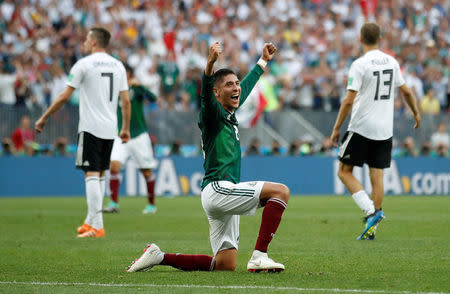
{"x": 166, "y": 42}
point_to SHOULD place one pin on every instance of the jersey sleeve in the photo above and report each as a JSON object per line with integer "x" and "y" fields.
{"x": 249, "y": 82}
{"x": 210, "y": 107}
{"x": 399, "y": 80}
{"x": 123, "y": 83}
{"x": 354, "y": 77}
{"x": 147, "y": 94}
{"x": 76, "y": 75}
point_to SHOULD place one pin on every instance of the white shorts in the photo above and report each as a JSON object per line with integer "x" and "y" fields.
{"x": 223, "y": 203}
{"x": 139, "y": 148}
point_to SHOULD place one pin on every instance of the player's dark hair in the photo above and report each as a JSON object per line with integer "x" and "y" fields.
{"x": 101, "y": 35}
{"x": 129, "y": 69}
{"x": 221, "y": 74}
{"x": 370, "y": 33}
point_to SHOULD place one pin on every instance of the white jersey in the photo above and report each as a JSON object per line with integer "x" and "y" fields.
{"x": 100, "y": 78}
{"x": 375, "y": 76}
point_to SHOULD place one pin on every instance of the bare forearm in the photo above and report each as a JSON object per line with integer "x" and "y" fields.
{"x": 411, "y": 102}
{"x": 344, "y": 111}
{"x": 126, "y": 114}
{"x": 55, "y": 106}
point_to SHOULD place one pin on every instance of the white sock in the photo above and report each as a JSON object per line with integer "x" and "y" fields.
{"x": 363, "y": 201}
{"x": 102, "y": 186}
{"x": 94, "y": 202}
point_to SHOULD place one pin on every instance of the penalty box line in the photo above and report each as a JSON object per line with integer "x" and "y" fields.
{"x": 336, "y": 290}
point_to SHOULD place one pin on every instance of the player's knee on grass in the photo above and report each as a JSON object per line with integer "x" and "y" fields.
{"x": 226, "y": 260}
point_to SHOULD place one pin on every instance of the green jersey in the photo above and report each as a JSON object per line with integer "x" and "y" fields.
{"x": 220, "y": 134}
{"x": 137, "y": 121}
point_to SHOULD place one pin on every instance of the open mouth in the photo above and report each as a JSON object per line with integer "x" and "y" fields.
{"x": 235, "y": 98}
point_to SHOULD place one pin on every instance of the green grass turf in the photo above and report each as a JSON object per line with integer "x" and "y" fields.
{"x": 315, "y": 241}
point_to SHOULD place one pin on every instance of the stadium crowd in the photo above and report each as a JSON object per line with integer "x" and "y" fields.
{"x": 166, "y": 42}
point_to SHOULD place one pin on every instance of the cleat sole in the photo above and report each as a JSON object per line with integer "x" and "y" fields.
{"x": 268, "y": 270}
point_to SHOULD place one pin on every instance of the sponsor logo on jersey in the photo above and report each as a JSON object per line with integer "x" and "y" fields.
{"x": 70, "y": 77}
{"x": 350, "y": 81}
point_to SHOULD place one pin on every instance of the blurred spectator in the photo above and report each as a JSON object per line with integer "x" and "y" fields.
{"x": 165, "y": 40}
{"x": 253, "y": 148}
{"x": 275, "y": 150}
{"x": 23, "y": 134}
{"x": 169, "y": 73}
{"x": 60, "y": 147}
{"x": 30, "y": 148}
{"x": 8, "y": 147}
{"x": 175, "y": 148}
{"x": 7, "y": 81}
{"x": 442, "y": 151}
{"x": 294, "y": 148}
{"x": 307, "y": 146}
{"x": 408, "y": 148}
{"x": 23, "y": 91}
{"x": 426, "y": 149}
{"x": 440, "y": 137}
{"x": 414, "y": 83}
{"x": 58, "y": 82}
{"x": 429, "y": 103}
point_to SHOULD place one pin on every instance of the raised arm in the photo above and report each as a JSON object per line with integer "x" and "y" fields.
{"x": 207, "y": 95}
{"x": 214, "y": 52}
{"x": 250, "y": 80}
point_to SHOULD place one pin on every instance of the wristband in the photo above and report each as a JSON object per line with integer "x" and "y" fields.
{"x": 261, "y": 62}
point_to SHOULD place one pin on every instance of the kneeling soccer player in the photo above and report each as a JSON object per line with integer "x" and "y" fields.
{"x": 224, "y": 198}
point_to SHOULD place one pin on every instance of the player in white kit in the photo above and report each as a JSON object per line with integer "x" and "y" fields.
{"x": 372, "y": 81}
{"x": 101, "y": 79}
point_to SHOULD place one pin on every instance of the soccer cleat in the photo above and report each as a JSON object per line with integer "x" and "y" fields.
{"x": 84, "y": 228}
{"x": 150, "y": 208}
{"x": 372, "y": 222}
{"x": 152, "y": 256}
{"x": 371, "y": 233}
{"x": 112, "y": 207}
{"x": 93, "y": 233}
{"x": 260, "y": 262}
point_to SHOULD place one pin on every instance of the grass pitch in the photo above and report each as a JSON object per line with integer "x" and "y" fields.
{"x": 39, "y": 251}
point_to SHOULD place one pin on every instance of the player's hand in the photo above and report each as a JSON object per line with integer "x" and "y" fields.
{"x": 268, "y": 51}
{"x": 214, "y": 52}
{"x": 125, "y": 136}
{"x": 335, "y": 137}
{"x": 417, "y": 119}
{"x": 39, "y": 124}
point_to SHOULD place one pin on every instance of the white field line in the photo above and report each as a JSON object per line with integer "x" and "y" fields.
{"x": 336, "y": 290}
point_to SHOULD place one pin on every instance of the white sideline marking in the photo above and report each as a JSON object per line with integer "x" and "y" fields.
{"x": 213, "y": 287}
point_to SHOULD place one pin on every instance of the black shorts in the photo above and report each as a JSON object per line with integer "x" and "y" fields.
{"x": 357, "y": 150}
{"x": 93, "y": 154}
